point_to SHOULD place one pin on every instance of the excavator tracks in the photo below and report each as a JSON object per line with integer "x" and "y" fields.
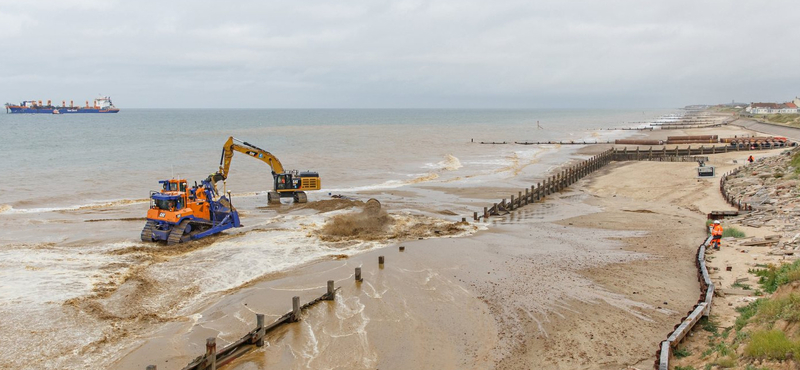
{"x": 176, "y": 235}
{"x": 147, "y": 232}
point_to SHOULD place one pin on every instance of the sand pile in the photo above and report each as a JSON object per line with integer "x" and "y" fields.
{"x": 373, "y": 223}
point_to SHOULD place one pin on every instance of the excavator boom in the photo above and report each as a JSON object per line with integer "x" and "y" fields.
{"x": 285, "y": 184}
{"x": 234, "y": 144}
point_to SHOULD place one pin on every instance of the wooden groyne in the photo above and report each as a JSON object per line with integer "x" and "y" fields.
{"x": 214, "y": 359}
{"x": 537, "y": 193}
{"x": 638, "y": 153}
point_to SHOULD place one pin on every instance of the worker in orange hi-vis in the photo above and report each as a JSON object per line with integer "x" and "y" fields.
{"x": 716, "y": 235}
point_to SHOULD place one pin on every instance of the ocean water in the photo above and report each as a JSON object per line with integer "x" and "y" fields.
{"x": 75, "y": 191}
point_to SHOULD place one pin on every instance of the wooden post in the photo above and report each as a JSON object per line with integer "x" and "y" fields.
{"x": 538, "y": 191}
{"x": 463, "y": 219}
{"x": 519, "y": 199}
{"x": 533, "y": 193}
{"x": 331, "y": 291}
{"x": 211, "y": 353}
{"x": 295, "y": 309}
{"x": 485, "y": 213}
{"x": 261, "y": 329}
{"x": 475, "y": 216}
{"x": 380, "y": 260}
{"x": 527, "y": 196}
{"x": 402, "y": 248}
{"x": 151, "y": 367}
{"x": 511, "y": 204}
{"x": 358, "y": 274}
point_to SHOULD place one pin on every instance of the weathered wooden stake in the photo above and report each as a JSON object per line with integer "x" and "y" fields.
{"x": 485, "y": 213}
{"x": 211, "y": 353}
{"x": 511, "y": 205}
{"x": 295, "y": 309}
{"x": 261, "y": 329}
{"x": 463, "y": 219}
{"x": 331, "y": 291}
{"x": 402, "y": 248}
{"x": 358, "y": 274}
{"x": 380, "y": 260}
{"x": 474, "y": 216}
{"x": 151, "y": 367}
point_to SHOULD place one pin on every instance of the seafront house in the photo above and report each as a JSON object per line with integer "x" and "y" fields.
{"x": 773, "y": 108}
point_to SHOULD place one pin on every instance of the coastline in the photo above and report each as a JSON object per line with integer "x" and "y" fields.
{"x": 533, "y": 306}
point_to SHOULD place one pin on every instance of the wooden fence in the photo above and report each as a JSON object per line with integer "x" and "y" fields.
{"x": 701, "y": 309}
{"x": 730, "y": 198}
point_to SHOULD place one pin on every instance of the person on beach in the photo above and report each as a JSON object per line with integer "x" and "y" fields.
{"x": 750, "y": 159}
{"x": 716, "y": 235}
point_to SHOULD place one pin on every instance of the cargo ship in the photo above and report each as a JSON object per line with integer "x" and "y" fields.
{"x": 101, "y": 105}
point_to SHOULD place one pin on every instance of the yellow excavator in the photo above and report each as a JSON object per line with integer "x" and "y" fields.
{"x": 292, "y": 184}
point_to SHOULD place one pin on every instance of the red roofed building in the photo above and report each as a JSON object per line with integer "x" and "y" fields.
{"x": 772, "y": 108}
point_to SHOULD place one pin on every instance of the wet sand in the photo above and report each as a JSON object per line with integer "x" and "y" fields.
{"x": 593, "y": 278}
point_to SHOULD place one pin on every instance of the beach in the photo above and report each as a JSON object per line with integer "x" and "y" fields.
{"x": 593, "y": 277}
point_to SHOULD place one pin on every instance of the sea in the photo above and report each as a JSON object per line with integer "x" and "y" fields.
{"x": 76, "y": 189}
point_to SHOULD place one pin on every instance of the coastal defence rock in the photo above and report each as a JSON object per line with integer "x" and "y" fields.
{"x": 772, "y": 186}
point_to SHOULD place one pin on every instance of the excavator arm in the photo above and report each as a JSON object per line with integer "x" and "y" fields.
{"x": 236, "y": 145}
{"x": 292, "y": 184}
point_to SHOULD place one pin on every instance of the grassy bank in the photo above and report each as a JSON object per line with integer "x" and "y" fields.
{"x": 792, "y": 120}
{"x": 766, "y": 334}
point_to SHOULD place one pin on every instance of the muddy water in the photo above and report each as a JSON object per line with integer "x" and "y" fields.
{"x": 445, "y": 303}
{"x": 75, "y": 194}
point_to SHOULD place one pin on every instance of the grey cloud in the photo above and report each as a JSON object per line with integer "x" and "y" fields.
{"x": 469, "y": 53}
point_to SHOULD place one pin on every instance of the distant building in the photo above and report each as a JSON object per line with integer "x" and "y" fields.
{"x": 773, "y": 108}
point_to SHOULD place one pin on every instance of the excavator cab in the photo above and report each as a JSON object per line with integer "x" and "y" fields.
{"x": 283, "y": 181}
{"x": 293, "y": 185}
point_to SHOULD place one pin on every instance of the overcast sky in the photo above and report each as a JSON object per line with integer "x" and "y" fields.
{"x": 400, "y": 54}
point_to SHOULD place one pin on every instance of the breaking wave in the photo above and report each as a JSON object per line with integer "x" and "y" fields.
{"x": 449, "y": 163}
{"x": 5, "y": 208}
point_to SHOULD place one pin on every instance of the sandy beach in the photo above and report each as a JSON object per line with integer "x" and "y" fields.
{"x": 595, "y": 277}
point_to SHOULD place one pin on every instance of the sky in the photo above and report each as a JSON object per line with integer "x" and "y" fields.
{"x": 400, "y": 54}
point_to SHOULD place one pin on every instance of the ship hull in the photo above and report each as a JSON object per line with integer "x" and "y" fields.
{"x": 58, "y": 110}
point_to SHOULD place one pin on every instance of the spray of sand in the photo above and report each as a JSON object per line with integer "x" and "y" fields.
{"x": 373, "y": 223}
